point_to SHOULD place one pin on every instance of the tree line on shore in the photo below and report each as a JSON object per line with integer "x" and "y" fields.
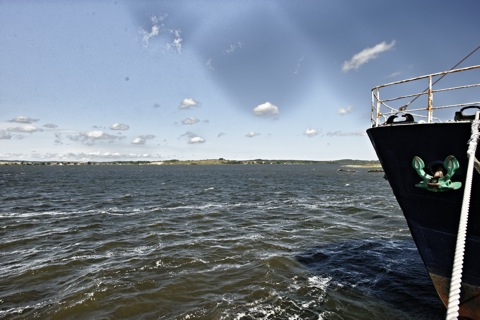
{"x": 220, "y": 161}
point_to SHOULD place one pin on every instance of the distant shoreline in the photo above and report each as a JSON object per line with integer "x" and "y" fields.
{"x": 344, "y": 162}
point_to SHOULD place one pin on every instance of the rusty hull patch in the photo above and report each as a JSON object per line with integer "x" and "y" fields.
{"x": 469, "y": 296}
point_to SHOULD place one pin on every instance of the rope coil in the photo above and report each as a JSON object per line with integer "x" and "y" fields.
{"x": 456, "y": 280}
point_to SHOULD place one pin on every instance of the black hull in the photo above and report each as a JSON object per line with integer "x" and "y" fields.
{"x": 433, "y": 217}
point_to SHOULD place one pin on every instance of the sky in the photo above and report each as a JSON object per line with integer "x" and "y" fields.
{"x": 207, "y": 79}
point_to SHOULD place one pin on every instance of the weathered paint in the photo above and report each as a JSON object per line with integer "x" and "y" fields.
{"x": 469, "y": 296}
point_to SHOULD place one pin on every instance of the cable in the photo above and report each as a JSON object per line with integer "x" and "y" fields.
{"x": 403, "y": 108}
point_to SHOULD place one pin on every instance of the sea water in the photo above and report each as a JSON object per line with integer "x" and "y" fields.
{"x": 206, "y": 242}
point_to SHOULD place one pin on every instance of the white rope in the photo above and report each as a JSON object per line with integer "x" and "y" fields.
{"x": 456, "y": 280}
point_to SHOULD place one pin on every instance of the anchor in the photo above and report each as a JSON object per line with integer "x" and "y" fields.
{"x": 440, "y": 181}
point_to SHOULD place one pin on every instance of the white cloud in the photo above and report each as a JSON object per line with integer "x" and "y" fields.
{"x": 311, "y": 132}
{"x": 345, "y": 134}
{"x": 158, "y": 29}
{"x": 344, "y": 111}
{"x": 119, "y": 126}
{"x": 138, "y": 141}
{"x": 266, "y": 109}
{"x": 190, "y": 121}
{"x": 394, "y": 74}
{"x": 366, "y": 55}
{"x": 25, "y": 128}
{"x": 197, "y": 139}
{"x": 96, "y": 134}
{"x": 176, "y": 43}
{"x": 187, "y": 103}
{"x": 50, "y": 126}
{"x": 154, "y": 30}
{"x": 193, "y": 138}
{"x": 90, "y": 137}
{"x": 84, "y": 156}
{"x": 23, "y": 119}
{"x": 252, "y": 134}
{"x": 143, "y": 139}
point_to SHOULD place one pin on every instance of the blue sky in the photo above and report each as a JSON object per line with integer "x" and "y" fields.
{"x": 158, "y": 80}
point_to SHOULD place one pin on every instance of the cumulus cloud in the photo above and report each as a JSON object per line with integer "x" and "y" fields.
{"x": 91, "y": 137}
{"x": 28, "y": 128}
{"x": 311, "y": 132}
{"x": 366, "y": 55}
{"x": 112, "y": 155}
{"x": 252, "y": 134}
{"x": 119, "y": 126}
{"x": 190, "y": 121}
{"x": 266, "y": 109}
{"x": 138, "y": 141}
{"x": 187, "y": 103}
{"x": 86, "y": 156}
{"x": 344, "y": 111}
{"x": 143, "y": 139}
{"x": 50, "y": 126}
{"x": 23, "y": 119}
{"x": 97, "y": 134}
{"x": 194, "y": 140}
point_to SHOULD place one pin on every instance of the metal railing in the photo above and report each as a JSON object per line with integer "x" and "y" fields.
{"x": 382, "y": 109}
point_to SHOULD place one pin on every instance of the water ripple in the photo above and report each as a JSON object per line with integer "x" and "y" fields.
{"x": 200, "y": 242}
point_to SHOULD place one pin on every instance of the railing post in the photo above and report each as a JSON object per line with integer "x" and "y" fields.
{"x": 430, "y": 100}
{"x": 376, "y": 97}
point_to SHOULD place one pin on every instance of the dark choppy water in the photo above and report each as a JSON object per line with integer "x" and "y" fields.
{"x": 206, "y": 242}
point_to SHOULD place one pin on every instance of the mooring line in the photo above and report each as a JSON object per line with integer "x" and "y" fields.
{"x": 456, "y": 280}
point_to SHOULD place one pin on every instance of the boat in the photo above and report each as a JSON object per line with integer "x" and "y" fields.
{"x": 425, "y": 137}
